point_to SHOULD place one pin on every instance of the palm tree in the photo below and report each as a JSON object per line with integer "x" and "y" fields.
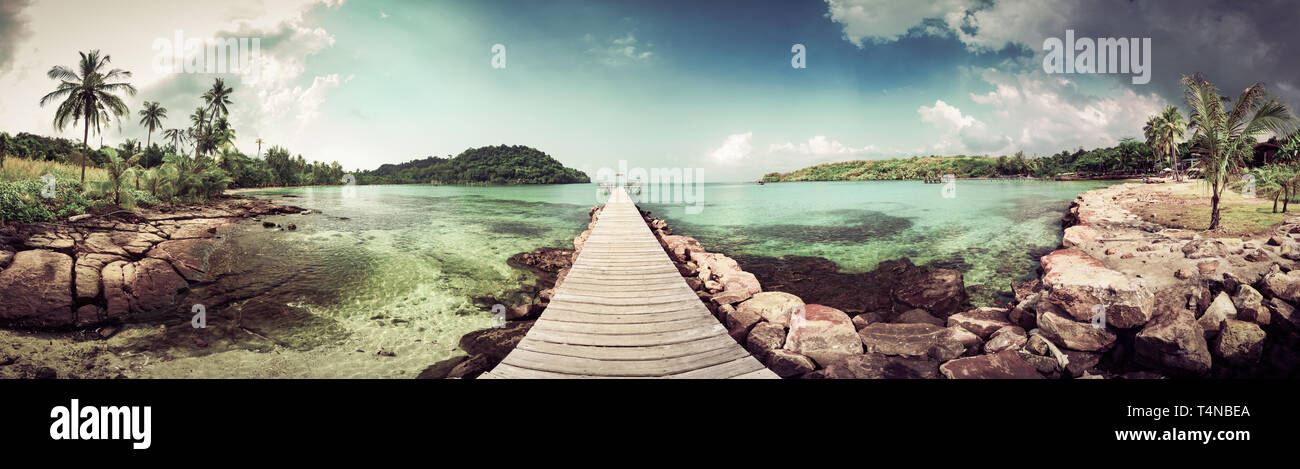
{"x": 1162, "y": 132}
{"x": 176, "y": 136}
{"x": 151, "y": 118}
{"x": 118, "y": 170}
{"x": 259, "y": 147}
{"x": 88, "y": 95}
{"x": 1221, "y": 137}
{"x": 216, "y": 99}
{"x": 4, "y": 147}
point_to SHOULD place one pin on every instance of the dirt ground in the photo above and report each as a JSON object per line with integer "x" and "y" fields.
{"x": 1186, "y": 205}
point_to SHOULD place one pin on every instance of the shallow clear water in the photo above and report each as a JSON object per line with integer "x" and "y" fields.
{"x": 409, "y": 269}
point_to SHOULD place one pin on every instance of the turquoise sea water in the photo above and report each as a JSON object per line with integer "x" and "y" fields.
{"x": 409, "y": 269}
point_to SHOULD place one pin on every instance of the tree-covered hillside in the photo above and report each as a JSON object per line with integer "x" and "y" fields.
{"x": 502, "y": 164}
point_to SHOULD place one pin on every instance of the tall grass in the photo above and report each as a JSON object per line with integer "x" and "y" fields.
{"x": 18, "y": 169}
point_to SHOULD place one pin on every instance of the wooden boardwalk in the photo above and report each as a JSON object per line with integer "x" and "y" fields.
{"x": 624, "y": 311}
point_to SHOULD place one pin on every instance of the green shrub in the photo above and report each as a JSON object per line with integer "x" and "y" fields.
{"x": 21, "y": 201}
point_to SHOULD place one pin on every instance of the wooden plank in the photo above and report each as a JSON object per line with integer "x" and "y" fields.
{"x": 739, "y": 367}
{"x": 649, "y": 318}
{"x": 629, "y": 353}
{"x": 632, "y": 368}
{"x": 622, "y": 329}
{"x": 626, "y": 340}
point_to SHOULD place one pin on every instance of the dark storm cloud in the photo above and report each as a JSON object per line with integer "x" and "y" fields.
{"x": 14, "y": 29}
{"x": 1234, "y": 43}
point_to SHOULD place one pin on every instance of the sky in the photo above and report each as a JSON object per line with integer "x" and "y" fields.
{"x": 659, "y": 84}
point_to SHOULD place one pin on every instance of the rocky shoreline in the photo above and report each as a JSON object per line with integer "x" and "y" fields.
{"x": 1121, "y": 298}
{"x": 96, "y": 270}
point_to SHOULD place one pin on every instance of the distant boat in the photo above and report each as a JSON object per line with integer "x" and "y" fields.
{"x": 760, "y": 182}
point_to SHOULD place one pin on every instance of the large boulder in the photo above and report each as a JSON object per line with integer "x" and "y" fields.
{"x": 682, "y": 248}
{"x": 764, "y": 338}
{"x": 1250, "y": 305}
{"x": 879, "y": 366}
{"x": 981, "y": 321}
{"x": 1240, "y": 343}
{"x": 1173, "y": 342}
{"x": 1283, "y": 285}
{"x": 919, "y": 316}
{"x": 1220, "y": 309}
{"x": 1284, "y": 315}
{"x": 1006, "y": 338}
{"x": 912, "y": 340}
{"x": 88, "y": 267}
{"x": 1002, "y": 365}
{"x": 495, "y": 343}
{"x": 823, "y": 334}
{"x": 786, "y": 363}
{"x": 772, "y": 306}
{"x": 1073, "y": 334}
{"x": 1082, "y": 288}
{"x": 939, "y": 291}
{"x": 36, "y": 290}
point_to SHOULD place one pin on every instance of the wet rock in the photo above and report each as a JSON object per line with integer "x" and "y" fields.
{"x": 823, "y": 334}
{"x": 774, "y": 307}
{"x": 268, "y": 224}
{"x": 1006, "y": 338}
{"x": 6, "y": 258}
{"x": 1173, "y": 342}
{"x": 1022, "y": 290}
{"x": 441, "y": 369}
{"x": 981, "y": 321}
{"x": 939, "y": 291}
{"x": 153, "y": 284}
{"x": 36, "y": 290}
{"x": 473, "y": 367}
{"x": 786, "y": 363}
{"x": 918, "y": 316}
{"x": 1240, "y": 343}
{"x": 911, "y": 340}
{"x": 1022, "y": 317}
{"x": 495, "y": 343}
{"x": 1073, "y": 334}
{"x": 879, "y": 366}
{"x": 1219, "y": 310}
{"x": 1001, "y": 365}
{"x": 764, "y": 338}
{"x": 188, "y": 256}
{"x": 544, "y": 260}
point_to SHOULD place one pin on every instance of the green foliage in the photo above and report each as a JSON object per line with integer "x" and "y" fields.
{"x": 21, "y": 201}
{"x": 1128, "y": 157}
{"x": 502, "y": 164}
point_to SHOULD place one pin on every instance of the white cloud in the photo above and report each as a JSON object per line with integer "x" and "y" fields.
{"x": 819, "y": 146}
{"x": 734, "y": 149}
{"x": 882, "y": 21}
{"x": 621, "y": 50}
